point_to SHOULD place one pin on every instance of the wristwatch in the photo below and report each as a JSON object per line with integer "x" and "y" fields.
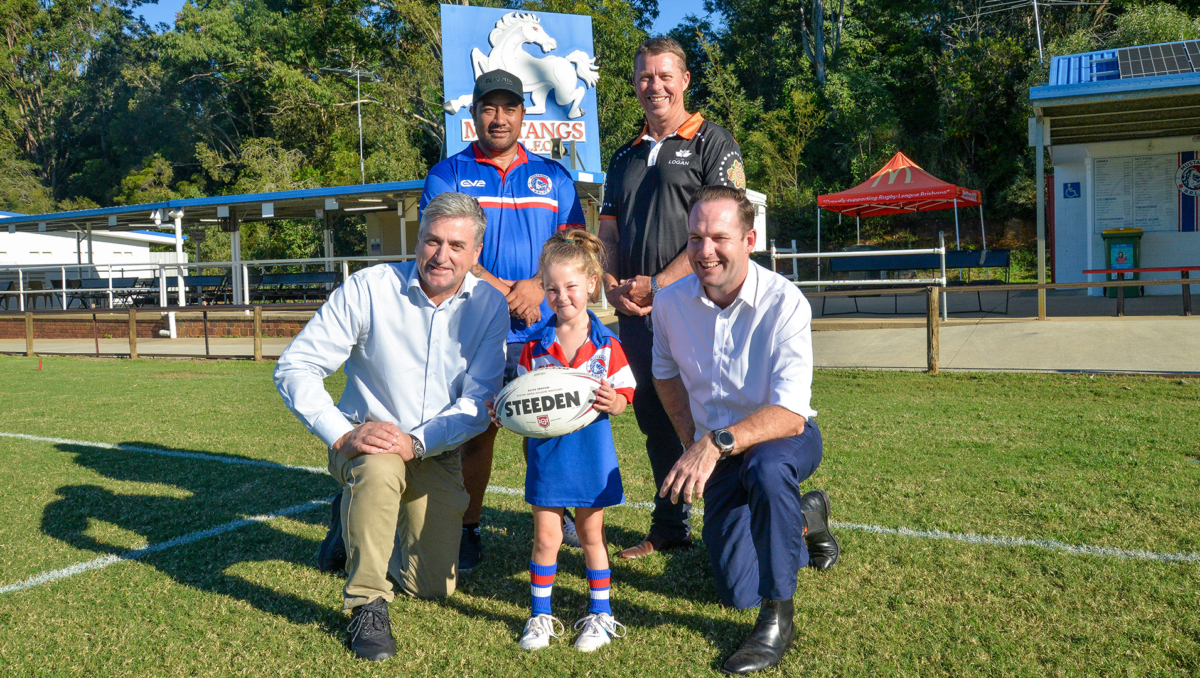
{"x": 418, "y": 447}
{"x": 724, "y": 441}
{"x": 653, "y": 286}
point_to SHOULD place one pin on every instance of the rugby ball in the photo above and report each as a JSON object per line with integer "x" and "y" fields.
{"x": 548, "y": 402}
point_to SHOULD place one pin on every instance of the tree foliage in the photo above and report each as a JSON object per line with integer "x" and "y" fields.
{"x": 96, "y": 108}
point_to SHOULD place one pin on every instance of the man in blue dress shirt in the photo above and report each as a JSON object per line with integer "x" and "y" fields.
{"x": 527, "y": 198}
{"x": 422, "y": 345}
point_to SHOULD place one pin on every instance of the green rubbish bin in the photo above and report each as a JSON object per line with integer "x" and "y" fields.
{"x": 1123, "y": 248}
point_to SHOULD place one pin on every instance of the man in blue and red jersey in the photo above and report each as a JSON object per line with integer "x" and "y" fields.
{"x": 526, "y": 198}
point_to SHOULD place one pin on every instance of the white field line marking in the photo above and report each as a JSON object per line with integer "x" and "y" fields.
{"x": 967, "y": 538}
{"x": 183, "y": 540}
{"x": 166, "y": 452}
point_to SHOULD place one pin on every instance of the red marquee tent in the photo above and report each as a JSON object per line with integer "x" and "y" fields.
{"x": 900, "y": 187}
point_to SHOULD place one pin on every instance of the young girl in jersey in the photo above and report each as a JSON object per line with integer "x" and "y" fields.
{"x": 578, "y": 470}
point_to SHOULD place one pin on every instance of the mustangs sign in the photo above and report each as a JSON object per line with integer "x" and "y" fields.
{"x": 552, "y": 55}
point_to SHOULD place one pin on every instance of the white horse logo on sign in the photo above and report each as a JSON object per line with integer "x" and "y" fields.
{"x": 538, "y": 76}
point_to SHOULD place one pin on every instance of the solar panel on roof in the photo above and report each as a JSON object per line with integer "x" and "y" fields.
{"x": 1151, "y": 60}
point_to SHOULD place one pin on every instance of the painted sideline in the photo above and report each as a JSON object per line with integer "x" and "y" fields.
{"x": 183, "y": 540}
{"x": 966, "y": 538}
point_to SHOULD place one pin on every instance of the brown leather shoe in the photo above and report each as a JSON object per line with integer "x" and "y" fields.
{"x": 652, "y": 544}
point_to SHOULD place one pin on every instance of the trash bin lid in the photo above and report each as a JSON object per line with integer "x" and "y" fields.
{"x": 1121, "y": 231}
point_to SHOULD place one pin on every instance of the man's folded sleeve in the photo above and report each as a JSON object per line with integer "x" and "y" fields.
{"x": 792, "y": 362}
{"x": 664, "y": 365}
{"x": 467, "y": 416}
{"x": 317, "y": 352}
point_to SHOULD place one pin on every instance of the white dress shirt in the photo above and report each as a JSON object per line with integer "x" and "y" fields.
{"x": 737, "y": 360}
{"x": 427, "y": 369}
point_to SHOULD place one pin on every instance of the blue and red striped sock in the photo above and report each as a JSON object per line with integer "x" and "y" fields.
{"x": 598, "y": 584}
{"x": 541, "y": 580}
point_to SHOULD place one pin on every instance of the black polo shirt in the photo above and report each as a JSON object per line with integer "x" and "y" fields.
{"x": 650, "y": 185}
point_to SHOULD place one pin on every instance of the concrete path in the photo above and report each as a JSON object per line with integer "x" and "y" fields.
{"x": 1161, "y": 343}
{"x": 1101, "y": 345}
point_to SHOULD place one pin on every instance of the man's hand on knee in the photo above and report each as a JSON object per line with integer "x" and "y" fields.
{"x": 375, "y": 437}
{"x": 689, "y": 475}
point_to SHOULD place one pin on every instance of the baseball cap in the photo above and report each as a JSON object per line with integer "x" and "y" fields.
{"x": 498, "y": 80}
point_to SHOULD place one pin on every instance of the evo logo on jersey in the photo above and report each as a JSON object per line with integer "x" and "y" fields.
{"x": 467, "y": 183}
{"x": 558, "y": 401}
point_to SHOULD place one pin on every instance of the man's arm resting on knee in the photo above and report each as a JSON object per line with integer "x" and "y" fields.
{"x": 690, "y": 474}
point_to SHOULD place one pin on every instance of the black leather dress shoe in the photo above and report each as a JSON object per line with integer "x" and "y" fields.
{"x": 823, "y": 547}
{"x": 331, "y": 556}
{"x": 371, "y": 631}
{"x": 772, "y": 636}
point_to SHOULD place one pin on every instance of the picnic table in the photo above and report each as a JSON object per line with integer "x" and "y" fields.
{"x": 1183, "y": 275}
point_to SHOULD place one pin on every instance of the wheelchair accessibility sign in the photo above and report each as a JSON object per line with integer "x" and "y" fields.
{"x": 1071, "y": 190}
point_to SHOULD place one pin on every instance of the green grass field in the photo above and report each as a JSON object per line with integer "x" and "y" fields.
{"x": 1103, "y": 461}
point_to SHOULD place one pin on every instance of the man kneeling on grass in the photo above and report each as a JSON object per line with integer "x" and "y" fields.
{"x": 733, "y": 368}
{"x": 423, "y": 347}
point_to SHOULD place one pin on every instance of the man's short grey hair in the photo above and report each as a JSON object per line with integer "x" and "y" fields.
{"x": 455, "y": 206}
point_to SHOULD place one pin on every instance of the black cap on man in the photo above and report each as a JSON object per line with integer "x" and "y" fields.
{"x": 498, "y": 80}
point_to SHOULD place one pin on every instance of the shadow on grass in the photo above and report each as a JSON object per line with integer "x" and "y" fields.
{"x": 214, "y": 494}
{"x": 637, "y": 585}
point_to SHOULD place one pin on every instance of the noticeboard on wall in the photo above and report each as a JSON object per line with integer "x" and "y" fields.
{"x": 1137, "y": 192}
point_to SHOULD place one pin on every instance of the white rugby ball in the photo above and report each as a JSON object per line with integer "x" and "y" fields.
{"x": 548, "y": 402}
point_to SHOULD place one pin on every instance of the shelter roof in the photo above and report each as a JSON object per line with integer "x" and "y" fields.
{"x": 297, "y": 204}
{"x": 1141, "y": 92}
{"x": 900, "y": 187}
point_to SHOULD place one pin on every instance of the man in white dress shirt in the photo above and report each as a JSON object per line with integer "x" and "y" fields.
{"x": 422, "y": 343}
{"x": 733, "y": 367}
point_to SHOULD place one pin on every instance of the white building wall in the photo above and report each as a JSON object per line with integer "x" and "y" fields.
{"x": 41, "y": 249}
{"x": 1079, "y": 247}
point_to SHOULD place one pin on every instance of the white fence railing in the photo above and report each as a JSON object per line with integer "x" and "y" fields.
{"x": 778, "y": 253}
{"x": 795, "y": 256}
{"x": 238, "y": 272}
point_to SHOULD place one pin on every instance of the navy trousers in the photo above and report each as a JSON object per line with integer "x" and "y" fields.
{"x": 668, "y": 521}
{"x": 753, "y": 525}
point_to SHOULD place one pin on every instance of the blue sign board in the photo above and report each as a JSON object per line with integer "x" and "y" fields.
{"x": 553, "y": 56}
{"x": 1071, "y": 190}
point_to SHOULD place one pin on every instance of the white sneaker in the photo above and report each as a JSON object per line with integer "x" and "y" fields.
{"x": 539, "y": 630}
{"x": 598, "y": 630}
{"x": 570, "y": 536}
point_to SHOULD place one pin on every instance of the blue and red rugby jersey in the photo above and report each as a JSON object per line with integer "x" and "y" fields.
{"x": 524, "y": 205}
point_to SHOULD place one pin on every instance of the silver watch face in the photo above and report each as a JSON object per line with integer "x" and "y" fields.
{"x": 724, "y": 439}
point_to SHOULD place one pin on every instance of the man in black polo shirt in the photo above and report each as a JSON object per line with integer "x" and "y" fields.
{"x": 643, "y": 224}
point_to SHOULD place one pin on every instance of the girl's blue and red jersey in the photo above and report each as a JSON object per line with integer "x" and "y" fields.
{"x": 578, "y": 470}
{"x": 525, "y": 205}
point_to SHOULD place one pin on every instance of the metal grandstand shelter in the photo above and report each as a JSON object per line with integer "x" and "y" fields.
{"x": 1121, "y": 125}
{"x": 390, "y": 210}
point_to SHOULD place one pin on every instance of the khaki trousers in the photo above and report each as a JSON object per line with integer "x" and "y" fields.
{"x": 400, "y": 518}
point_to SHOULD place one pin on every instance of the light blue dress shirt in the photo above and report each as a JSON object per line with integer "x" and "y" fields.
{"x": 427, "y": 369}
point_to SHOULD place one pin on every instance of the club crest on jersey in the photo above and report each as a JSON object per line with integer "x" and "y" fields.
{"x": 467, "y": 183}
{"x": 597, "y": 368}
{"x": 540, "y": 184}
{"x": 543, "y": 421}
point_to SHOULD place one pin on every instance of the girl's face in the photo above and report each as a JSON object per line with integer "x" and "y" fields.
{"x": 567, "y": 290}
